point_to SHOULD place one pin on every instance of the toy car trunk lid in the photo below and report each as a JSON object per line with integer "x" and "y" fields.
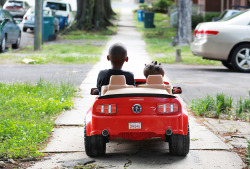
{"x": 136, "y": 92}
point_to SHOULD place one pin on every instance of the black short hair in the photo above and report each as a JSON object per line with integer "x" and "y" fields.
{"x": 118, "y": 49}
{"x": 153, "y": 68}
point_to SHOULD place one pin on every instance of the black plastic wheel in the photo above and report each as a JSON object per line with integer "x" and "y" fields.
{"x": 227, "y": 64}
{"x": 17, "y": 44}
{"x": 179, "y": 144}
{"x": 240, "y": 58}
{"x": 94, "y": 145}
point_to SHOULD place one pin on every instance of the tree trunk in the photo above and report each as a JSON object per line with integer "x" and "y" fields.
{"x": 92, "y": 14}
{"x": 184, "y": 30}
{"x": 2, "y": 2}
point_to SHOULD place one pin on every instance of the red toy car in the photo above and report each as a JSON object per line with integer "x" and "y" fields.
{"x": 136, "y": 113}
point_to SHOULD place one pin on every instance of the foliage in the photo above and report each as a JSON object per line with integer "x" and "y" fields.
{"x": 196, "y": 19}
{"x": 221, "y": 107}
{"x": 143, "y": 6}
{"x": 27, "y": 112}
{"x": 209, "y": 16}
{"x": 158, "y": 41}
{"x": 161, "y": 5}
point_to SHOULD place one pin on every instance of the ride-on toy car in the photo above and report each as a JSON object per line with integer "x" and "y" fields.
{"x": 146, "y": 111}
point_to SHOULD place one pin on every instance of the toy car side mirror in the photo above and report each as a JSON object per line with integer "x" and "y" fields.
{"x": 176, "y": 90}
{"x": 94, "y": 91}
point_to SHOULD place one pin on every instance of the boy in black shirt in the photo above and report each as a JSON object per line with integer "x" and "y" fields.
{"x": 117, "y": 56}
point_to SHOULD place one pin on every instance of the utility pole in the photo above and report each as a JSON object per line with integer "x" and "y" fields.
{"x": 38, "y": 25}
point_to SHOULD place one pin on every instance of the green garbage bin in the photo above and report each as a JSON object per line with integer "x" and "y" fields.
{"x": 48, "y": 27}
{"x": 149, "y": 19}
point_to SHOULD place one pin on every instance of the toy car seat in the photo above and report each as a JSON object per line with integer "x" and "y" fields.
{"x": 156, "y": 81}
{"x": 115, "y": 82}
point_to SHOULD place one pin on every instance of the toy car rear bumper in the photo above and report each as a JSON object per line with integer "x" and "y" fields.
{"x": 151, "y": 125}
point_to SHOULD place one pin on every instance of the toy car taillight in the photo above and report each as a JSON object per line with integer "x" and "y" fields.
{"x": 106, "y": 108}
{"x": 168, "y": 108}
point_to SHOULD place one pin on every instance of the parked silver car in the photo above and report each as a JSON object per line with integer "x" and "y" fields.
{"x": 227, "y": 40}
{"x": 16, "y": 8}
{"x": 29, "y": 19}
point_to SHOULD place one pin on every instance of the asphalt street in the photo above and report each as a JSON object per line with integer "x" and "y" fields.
{"x": 197, "y": 81}
{"x": 73, "y": 74}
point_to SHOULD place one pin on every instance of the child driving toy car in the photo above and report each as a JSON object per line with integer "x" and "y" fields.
{"x": 117, "y": 56}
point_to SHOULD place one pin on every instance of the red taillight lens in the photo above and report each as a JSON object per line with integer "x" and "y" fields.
{"x": 206, "y": 33}
{"x": 68, "y": 16}
{"x": 106, "y": 108}
{"x": 26, "y": 18}
{"x": 168, "y": 108}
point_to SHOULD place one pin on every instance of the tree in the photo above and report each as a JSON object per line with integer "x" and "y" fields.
{"x": 184, "y": 30}
{"x": 2, "y": 2}
{"x": 93, "y": 14}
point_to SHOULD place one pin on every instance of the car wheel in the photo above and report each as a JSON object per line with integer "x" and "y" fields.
{"x": 227, "y": 64}
{"x": 3, "y": 44}
{"x": 179, "y": 144}
{"x": 17, "y": 44}
{"x": 94, "y": 145}
{"x": 24, "y": 29}
{"x": 241, "y": 58}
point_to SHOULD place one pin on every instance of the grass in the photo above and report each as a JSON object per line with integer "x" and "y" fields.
{"x": 64, "y": 49}
{"x": 27, "y": 113}
{"x": 158, "y": 41}
{"x": 57, "y": 54}
{"x": 221, "y": 107}
{"x": 92, "y": 35}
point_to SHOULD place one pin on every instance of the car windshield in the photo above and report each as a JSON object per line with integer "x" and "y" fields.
{"x": 45, "y": 12}
{"x": 14, "y": 4}
{"x": 233, "y": 16}
{"x": 57, "y": 6}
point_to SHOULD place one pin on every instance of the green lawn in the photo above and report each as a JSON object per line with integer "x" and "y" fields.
{"x": 27, "y": 115}
{"x": 158, "y": 41}
{"x": 90, "y": 35}
{"x": 67, "y": 48}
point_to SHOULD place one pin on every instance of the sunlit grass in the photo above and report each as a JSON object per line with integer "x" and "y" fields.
{"x": 27, "y": 115}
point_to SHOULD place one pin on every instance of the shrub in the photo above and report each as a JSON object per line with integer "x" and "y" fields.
{"x": 196, "y": 19}
{"x": 161, "y": 5}
{"x": 209, "y": 16}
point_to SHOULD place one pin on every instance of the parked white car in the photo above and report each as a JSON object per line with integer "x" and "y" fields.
{"x": 226, "y": 13}
{"x": 62, "y": 9}
{"x": 227, "y": 40}
{"x": 16, "y": 8}
{"x": 29, "y": 19}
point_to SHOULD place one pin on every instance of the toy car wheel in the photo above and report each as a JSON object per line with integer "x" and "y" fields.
{"x": 241, "y": 58}
{"x": 179, "y": 144}
{"x": 94, "y": 145}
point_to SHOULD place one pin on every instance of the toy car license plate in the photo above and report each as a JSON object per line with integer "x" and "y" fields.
{"x": 136, "y": 125}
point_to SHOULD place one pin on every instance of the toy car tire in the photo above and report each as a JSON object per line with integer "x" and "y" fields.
{"x": 94, "y": 145}
{"x": 179, "y": 144}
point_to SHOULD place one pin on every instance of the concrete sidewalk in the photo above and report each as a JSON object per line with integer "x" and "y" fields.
{"x": 67, "y": 142}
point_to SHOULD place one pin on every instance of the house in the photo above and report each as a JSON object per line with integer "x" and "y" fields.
{"x": 221, "y": 5}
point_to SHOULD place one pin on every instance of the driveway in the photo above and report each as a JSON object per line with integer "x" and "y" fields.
{"x": 198, "y": 81}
